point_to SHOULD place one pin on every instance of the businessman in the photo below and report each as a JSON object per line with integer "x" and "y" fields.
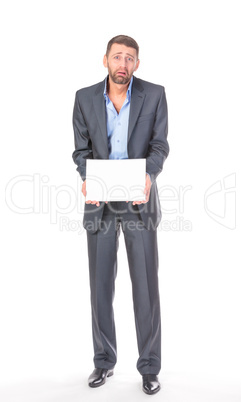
{"x": 123, "y": 117}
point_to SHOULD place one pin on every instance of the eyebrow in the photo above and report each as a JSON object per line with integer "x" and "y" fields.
{"x": 122, "y": 53}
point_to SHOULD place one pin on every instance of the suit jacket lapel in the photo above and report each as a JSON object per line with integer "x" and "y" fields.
{"x": 137, "y": 99}
{"x": 99, "y": 106}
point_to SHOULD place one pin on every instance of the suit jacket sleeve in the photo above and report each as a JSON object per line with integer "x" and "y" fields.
{"x": 158, "y": 146}
{"x": 83, "y": 146}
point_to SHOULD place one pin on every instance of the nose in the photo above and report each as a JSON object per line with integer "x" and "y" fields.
{"x": 123, "y": 62}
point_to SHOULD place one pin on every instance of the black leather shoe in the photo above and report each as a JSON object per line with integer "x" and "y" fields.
{"x": 151, "y": 384}
{"x": 98, "y": 377}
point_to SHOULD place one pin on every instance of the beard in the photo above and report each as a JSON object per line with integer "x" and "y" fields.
{"x": 117, "y": 79}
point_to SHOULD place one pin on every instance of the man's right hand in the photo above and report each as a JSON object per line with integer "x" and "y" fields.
{"x": 97, "y": 203}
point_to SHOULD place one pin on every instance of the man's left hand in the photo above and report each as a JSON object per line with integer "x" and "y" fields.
{"x": 147, "y": 190}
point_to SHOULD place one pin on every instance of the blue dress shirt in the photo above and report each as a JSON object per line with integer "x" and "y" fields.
{"x": 117, "y": 125}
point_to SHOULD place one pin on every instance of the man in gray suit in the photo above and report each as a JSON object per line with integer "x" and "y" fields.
{"x": 118, "y": 118}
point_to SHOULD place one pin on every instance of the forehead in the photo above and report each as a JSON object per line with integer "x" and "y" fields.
{"x": 117, "y": 48}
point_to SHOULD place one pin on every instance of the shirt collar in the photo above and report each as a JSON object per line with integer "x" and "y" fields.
{"x": 128, "y": 94}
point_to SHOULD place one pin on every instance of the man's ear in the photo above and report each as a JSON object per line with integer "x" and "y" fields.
{"x": 105, "y": 61}
{"x": 137, "y": 65}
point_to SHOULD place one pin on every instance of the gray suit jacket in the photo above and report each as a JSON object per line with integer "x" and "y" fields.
{"x": 147, "y": 138}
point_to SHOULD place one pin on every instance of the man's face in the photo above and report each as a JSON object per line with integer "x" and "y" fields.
{"x": 121, "y": 63}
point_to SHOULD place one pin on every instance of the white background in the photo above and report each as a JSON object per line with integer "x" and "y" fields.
{"x": 49, "y": 49}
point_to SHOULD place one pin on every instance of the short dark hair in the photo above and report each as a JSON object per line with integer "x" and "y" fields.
{"x": 123, "y": 40}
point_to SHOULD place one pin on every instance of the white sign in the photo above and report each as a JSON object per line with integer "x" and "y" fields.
{"x": 115, "y": 179}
